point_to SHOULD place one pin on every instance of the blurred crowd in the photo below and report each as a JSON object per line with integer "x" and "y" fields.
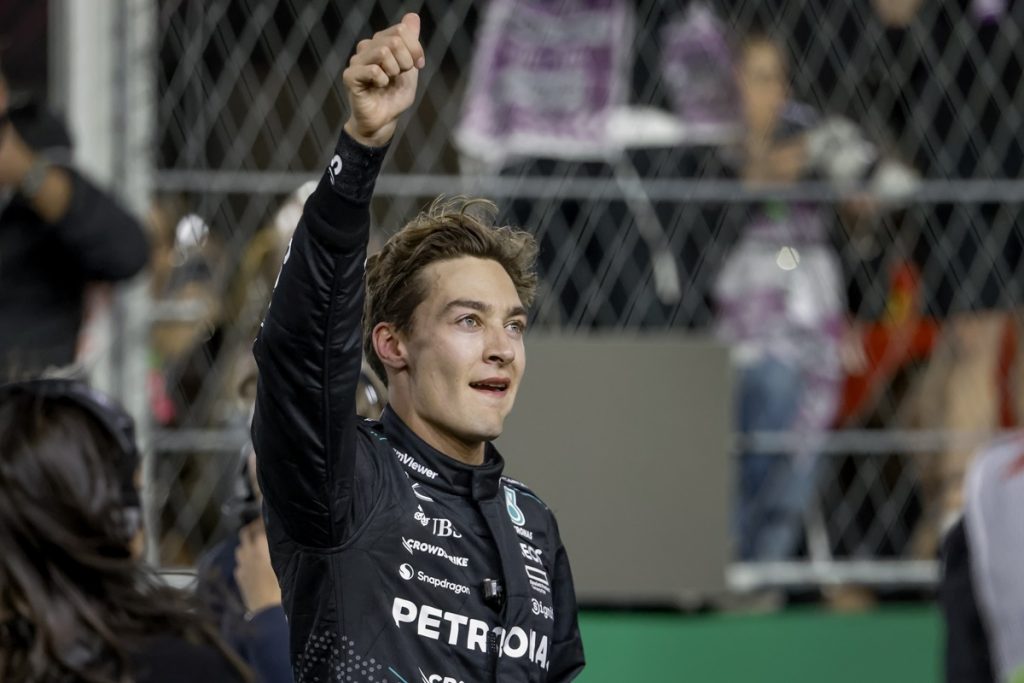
{"x": 864, "y": 271}
{"x": 854, "y": 303}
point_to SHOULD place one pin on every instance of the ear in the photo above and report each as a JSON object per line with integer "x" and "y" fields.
{"x": 390, "y": 346}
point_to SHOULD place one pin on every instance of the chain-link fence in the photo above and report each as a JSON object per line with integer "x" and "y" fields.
{"x": 831, "y": 187}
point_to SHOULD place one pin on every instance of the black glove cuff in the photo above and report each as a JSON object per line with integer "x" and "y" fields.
{"x": 352, "y": 171}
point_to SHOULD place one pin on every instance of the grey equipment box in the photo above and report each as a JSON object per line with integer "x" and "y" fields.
{"x": 627, "y": 439}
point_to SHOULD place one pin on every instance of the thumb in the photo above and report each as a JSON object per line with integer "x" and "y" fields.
{"x": 412, "y": 22}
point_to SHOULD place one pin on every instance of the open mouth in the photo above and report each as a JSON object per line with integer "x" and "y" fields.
{"x": 496, "y": 387}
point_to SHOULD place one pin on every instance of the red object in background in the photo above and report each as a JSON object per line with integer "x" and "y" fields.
{"x": 901, "y": 337}
{"x": 905, "y": 336}
{"x": 888, "y": 350}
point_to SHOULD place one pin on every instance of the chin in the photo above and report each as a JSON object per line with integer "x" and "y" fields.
{"x": 487, "y": 432}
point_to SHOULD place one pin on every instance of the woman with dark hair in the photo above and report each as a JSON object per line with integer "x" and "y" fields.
{"x": 76, "y": 604}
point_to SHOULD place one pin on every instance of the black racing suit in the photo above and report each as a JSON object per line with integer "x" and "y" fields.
{"x": 382, "y": 544}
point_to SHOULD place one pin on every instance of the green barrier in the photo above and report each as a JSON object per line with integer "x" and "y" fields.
{"x": 897, "y": 643}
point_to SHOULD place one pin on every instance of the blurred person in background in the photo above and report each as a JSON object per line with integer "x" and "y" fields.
{"x": 76, "y": 603}
{"x": 202, "y": 371}
{"x": 779, "y": 302}
{"x": 186, "y": 299}
{"x": 58, "y": 234}
{"x": 981, "y": 590}
{"x": 938, "y": 83}
{"x": 203, "y": 353}
{"x": 237, "y": 583}
{"x": 970, "y": 255}
{"x": 209, "y": 304}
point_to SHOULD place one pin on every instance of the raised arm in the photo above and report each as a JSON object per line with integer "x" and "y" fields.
{"x": 309, "y": 347}
{"x": 106, "y": 242}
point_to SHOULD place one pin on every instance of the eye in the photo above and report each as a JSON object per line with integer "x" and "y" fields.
{"x": 517, "y": 327}
{"x": 468, "y": 321}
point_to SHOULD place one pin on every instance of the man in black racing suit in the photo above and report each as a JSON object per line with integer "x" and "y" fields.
{"x": 403, "y": 553}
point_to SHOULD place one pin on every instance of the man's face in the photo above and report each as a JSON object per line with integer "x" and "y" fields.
{"x": 464, "y": 353}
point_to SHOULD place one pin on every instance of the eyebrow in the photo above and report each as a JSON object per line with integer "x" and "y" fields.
{"x": 482, "y": 307}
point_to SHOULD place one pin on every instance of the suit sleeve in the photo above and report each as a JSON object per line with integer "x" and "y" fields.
{"x": 309, "y": 351}
{"x": 567, "y": 660}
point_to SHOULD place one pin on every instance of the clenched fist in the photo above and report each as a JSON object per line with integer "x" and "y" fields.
{"x": 381, "y": 81}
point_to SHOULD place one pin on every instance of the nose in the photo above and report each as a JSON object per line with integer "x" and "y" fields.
{"x": 500, "y": 349}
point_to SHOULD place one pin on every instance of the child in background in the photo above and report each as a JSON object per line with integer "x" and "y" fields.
{"x": 780, "y": 303}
